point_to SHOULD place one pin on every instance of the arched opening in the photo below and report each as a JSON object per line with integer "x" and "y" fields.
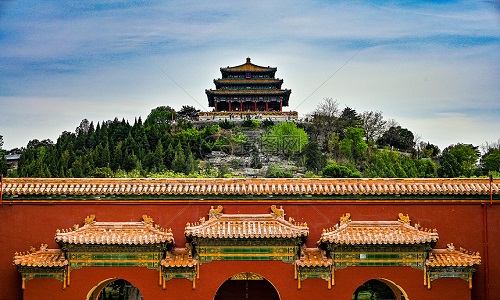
{"x": 114, "y": 289}
{"x": 379, "y": 289}
{"x": 248, "y": 286}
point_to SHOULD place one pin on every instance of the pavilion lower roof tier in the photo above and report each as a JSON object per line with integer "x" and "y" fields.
{"x": 68, "y": 188}
{"x": 243, "y": 95}
{"x": 224, "y": 82}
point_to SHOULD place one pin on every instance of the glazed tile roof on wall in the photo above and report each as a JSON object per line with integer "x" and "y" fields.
{"x": 377, "y": 233}
{"x": 41, "y": 258}
{"x": 245, "y": 186}
{"x": 246, "y": 226}
{"x": 313, "y": 257}
{"x": 115, "y": 233}
{"x": 179, "y": 257}
{"x": 451, "y": 257}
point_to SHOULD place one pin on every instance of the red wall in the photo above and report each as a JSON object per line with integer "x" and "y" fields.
{"x": 26, "y": 225}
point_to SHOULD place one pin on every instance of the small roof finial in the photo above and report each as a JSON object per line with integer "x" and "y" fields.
{"x": 248, "y": 60}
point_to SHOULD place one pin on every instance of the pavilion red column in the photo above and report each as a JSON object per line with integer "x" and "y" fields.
{"x": 267, "y": 106}
{"x": 241, "y": 106}
{"x": 255, "y": 106}
{"x": 281, "y": 105}
{"x": 215, "y": 105}
{"x": 229, "y": 105}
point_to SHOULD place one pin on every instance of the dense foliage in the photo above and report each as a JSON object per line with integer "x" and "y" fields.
{"x": 331, "y": 143}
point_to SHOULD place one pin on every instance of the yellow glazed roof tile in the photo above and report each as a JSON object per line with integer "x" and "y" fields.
{"x": 41, "y": 258}
{"x": 271, "y": 225}
{"x": 246, "y": 186}
{"x": 377, "y": 232}
{"x": 450, "y": 257}
{"x": 313, "y": 257}
{"x": 179, "y": 257}
{"x": 115, "y": 233}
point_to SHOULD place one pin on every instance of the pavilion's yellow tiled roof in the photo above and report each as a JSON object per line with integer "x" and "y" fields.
{"x": 248, "y": 66}
{"x": 246, "y": 226}
{"x": 313, "y": 257}
{"x": 179, "y": 257}
{"x": 250, "y": 91}
{"x": 451, "y": 257}
{"x": 41, "y": 258}
{"x": 377, "y": 232}
{"x": 115, "y": 233}
{"x": 249, "y": 81}
{"x": 245, "y": 186}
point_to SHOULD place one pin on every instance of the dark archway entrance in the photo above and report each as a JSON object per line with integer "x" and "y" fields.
{"x": 247, "y": 286}
{"x": 115, "y": 289}
{"x": 379, "y": 289}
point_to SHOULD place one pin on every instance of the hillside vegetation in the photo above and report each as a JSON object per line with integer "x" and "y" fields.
{"x": 328, "y": 143}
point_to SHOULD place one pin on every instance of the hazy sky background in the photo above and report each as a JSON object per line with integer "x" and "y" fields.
{"x": 433, "y": 66}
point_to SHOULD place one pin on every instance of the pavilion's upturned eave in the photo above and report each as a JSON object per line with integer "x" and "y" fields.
{"x": 249, "y": 91}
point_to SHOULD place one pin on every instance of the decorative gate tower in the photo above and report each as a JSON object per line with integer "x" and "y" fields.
{"x": 249, "y": 91}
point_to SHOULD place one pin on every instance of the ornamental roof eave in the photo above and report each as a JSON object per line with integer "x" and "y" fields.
{"x": 20, "y": 188}
{"x": 313, "y": 257}
{"x": 357, "y": 233}
{"x": 179, "y": 258}
{"x": 115, "y": 233}
{"x": 44, "y": 257}
{"x": 246, "y": 226}
{"x": 242, "y": 81}
{"x": 451, "y": 257}
{"x": 285, "y": 92}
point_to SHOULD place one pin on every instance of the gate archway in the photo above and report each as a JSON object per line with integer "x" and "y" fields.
{"x": 248, "y": 286}
{"x": 114, "y": 289}
{"x": 379, "y": 289}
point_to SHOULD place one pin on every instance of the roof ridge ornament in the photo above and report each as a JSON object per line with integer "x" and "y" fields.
{"x": 346, "y": 218}
{"x": 278, "y": 213}
{"x": 215, "y": 213}
{"x": 404, "y": 219}
{"x": 147, "y": 220}
{"x": 90, "y": 220}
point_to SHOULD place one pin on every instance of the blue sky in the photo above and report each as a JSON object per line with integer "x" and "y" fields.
{"x": 433, "y": 66}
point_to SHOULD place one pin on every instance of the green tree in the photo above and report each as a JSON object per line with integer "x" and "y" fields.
{"x": 491, "y": 161}
{"x": 315, "y": 160}
{"x": 276, "y": 171}
{"x": 188, "y": 113}
{"x": 285, "y": 138}
{"x": 339, "y": 171}
{"x": 373, "y": 125}
{"x": 160, "y": 116}
{"x": 353, "y": 146}
{"x": 178, "y": 164}
{"x": 449, "y": 166}
{"x": 397, "y": 137}
{"x": 466, "y": 156}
